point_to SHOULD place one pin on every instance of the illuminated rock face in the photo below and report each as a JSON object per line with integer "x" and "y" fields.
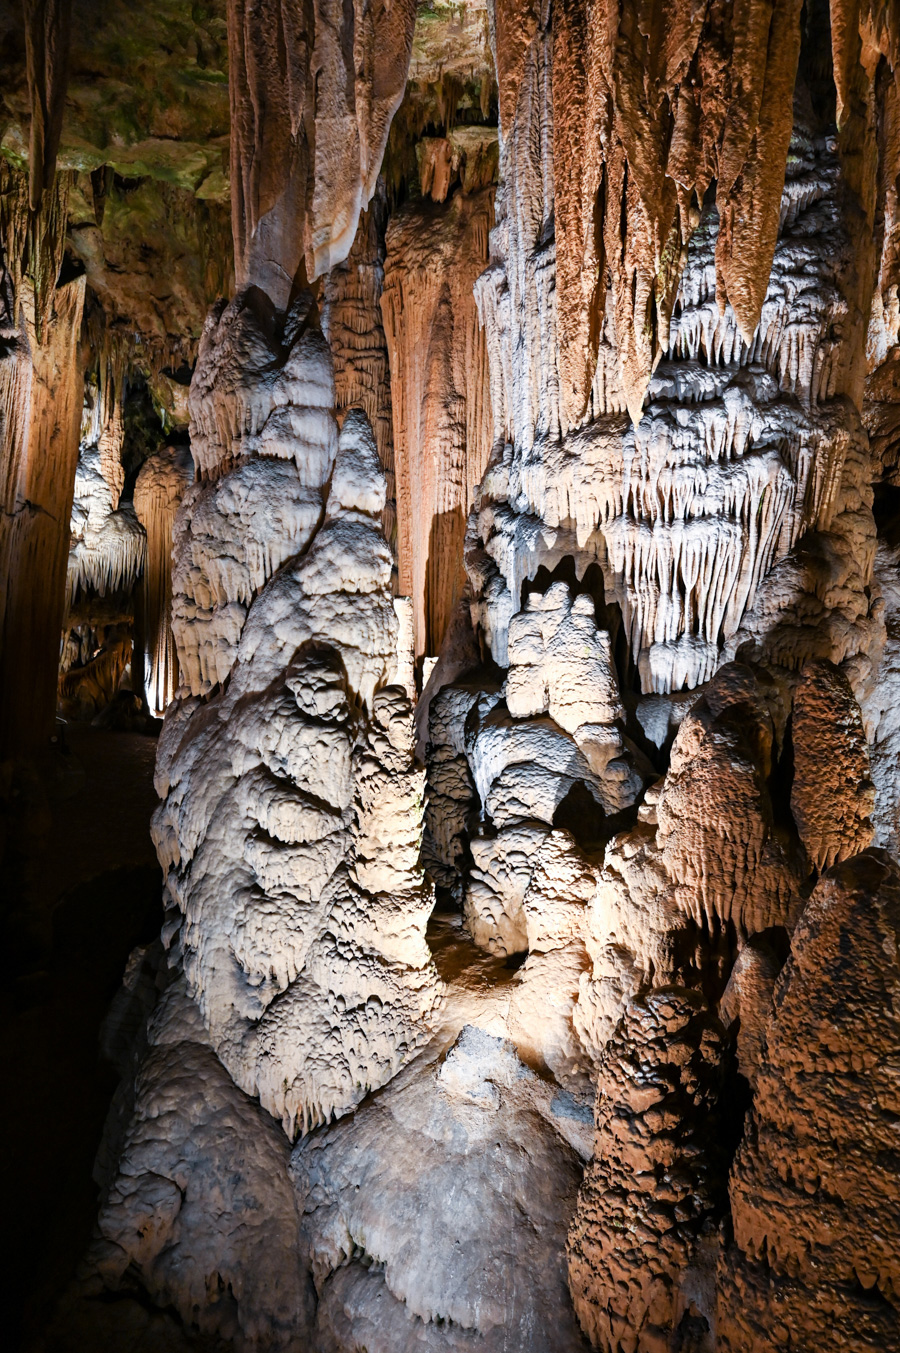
{"x": 742, "y": 446}
{"x": 292, "y": 811}
{"x": 107, "y": 547}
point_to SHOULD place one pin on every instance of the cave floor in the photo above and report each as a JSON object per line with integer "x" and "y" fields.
{"x": 81, "y": 889}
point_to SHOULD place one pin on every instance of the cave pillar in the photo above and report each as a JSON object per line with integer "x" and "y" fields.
{"x": 43, "y": 396}
{"x": 440, "y": 396}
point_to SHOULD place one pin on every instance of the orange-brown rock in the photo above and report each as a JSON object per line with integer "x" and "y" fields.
{"x": 351, "y": 321}
{"x": 514, "y": 26}
{"x": 832, "y": 795}
{"x": 814, "y": 1189}
{"x": 642, "y": 1243}
{"x": 160, "y": 487}
{"x": 746, "y": 1004}
{"x": 48, "y": 25}
{"x": 440, "y": 395}
{"x": 717, "y": 832}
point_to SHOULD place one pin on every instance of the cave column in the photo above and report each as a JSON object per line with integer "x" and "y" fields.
{"x": 42, "y": 396}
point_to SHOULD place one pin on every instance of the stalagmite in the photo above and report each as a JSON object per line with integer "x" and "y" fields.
{"x": 832, "y": 796}
{"x": 814, "y": 1193}
{"x": 302, "y": 754}
{"x": 642, "y": 1243}
{"x": 717, "y": 837}
{"x": 160, "y": 488}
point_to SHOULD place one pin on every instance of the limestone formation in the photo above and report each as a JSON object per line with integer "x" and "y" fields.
{"x": 688, "y": 510}
{"x": 42, "y": 400}
{"x": 642, "y": 1245}
{"x": 398, "y": 1253}
{"x": 303, "y": 168}
{"x": 717, "y": 835}
{"x": 439, "y": 393}
{"x": 107, "y": 546}
{"x": 195, "y": 1144}
{"x": 746, "y": 1003}
{"x": 305, "y": 948}
{"x": 352, "y": 323}
{"x": 160, "y": 487}
{"x": 813, "y": 1190}
{"x": 832, "y": 795}
{"x": 519, "y": 594}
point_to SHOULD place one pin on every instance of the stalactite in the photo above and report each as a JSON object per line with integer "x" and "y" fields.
{"x": 48, "y": 26}
{"x": 112, "y": 419}
{"x": 107, "y": 544}
{"x": 304, "y": 167}
{"x": 158, "y": 492}
{"x": 439, "y": 389}
{"x": 689, "y": 510}
{"x": 671, "y": 98}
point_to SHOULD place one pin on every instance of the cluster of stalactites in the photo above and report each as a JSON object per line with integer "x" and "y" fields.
{"x": 107, "y": 544}
{"x": 313, "y": 92}
{"x": 674, "y": 97}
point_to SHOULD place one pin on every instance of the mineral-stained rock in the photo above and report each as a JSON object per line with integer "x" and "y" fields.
{"x": 440, "y": 396}
{"x": 642, "y": 1244}
{"x": 832, "y": 795}
{"x": 48, "y": 30}
{"x": 160, "y": 487}
{"x": 631, "y": 931}
{"x": 717, "y": 834}
{"x": 351, "y": 321}
{"x": 747, "y": 1002}
{"x": 690, "y": 510}
{"x": 814, "y": 1193}
{"x": 41, "y": 393}
{"x": 674, "y": 98}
